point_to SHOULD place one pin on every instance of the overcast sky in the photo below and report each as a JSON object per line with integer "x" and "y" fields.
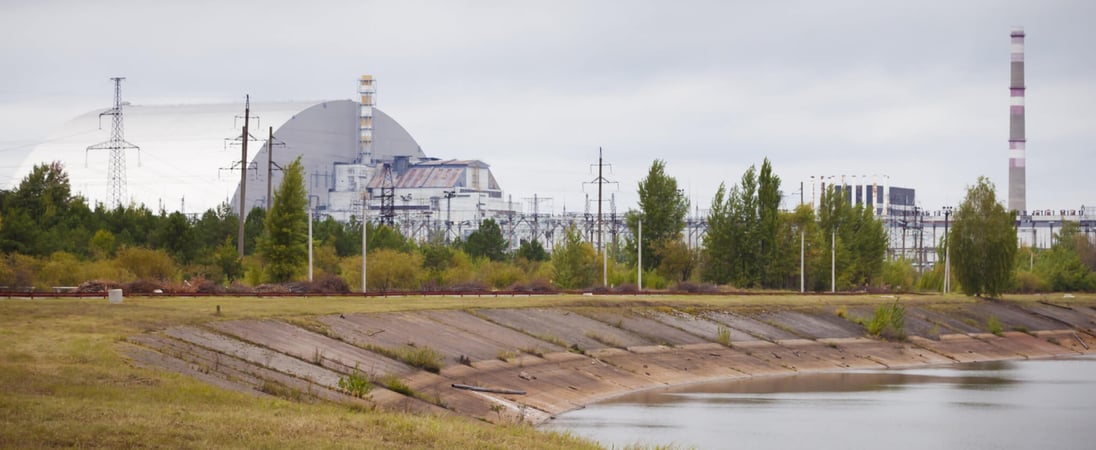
{"x": 914, "y": 90}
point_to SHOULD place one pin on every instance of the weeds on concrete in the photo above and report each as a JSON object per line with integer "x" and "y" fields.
{"x": 356, "y": 384}
{"x": 994, "y": 326}
{"x": 393, "y": 383}
{"x": 424, "y": 358}
{"x": 723, "y": 336}
{"x": 604, "y": 340}
{"x": 888, "y": 322}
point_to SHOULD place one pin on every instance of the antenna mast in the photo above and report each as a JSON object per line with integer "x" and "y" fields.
{"x": 116, "y": 170}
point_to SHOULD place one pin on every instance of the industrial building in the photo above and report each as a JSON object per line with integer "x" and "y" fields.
{"x": 188, "y": 158}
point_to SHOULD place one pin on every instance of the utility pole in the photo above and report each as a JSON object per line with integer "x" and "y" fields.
{"x": 243, "y": 177}
{"x": 639, "y": 256}
{"x": 600, "y": 181}
{"x": 270, "y": 165}
{"x": 365, "y": 236}
{"x": 947, "y": 251}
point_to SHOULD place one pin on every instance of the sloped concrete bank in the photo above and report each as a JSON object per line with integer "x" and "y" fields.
{"x": 530, "y": 364}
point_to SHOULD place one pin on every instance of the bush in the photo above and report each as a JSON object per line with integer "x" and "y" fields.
{"x": 888, "y": 322}
{"x": 898, "y": 275}
{"x": 1030, "y": 282}
{"x": 329, "y": 284}
{"x": 994, "y": 326}
{"x": 723, "y": 336}
{"x": 500, "y": 275}
{"x": 356, "y": 384}
{"x": 146, "y": 264}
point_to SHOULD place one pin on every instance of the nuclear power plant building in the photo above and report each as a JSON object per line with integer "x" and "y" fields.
{"x": 188, "y": 158}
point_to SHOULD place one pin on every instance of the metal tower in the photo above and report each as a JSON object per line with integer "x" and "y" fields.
{"x": 1017, "y": 143}
{"x": 116, "y": 170}
{"x": 388, "y": 196}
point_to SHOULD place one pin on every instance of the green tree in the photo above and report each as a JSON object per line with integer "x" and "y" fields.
{"x": 719, "y": 240}
{"x": 284, "y": 245}
{"x": 983, "y": 242}
{"x": 532, "y": 250}
{"x": 676, "y": 260}
{"x": 226, "y": 258}
{"x": 574, "y": 262}
{"x": 1062, "y": 267}
{"x": 662, "y": 207}
{"x": 487, "y": 242}
{"x": 768, "y": 227}
{"x": 102, "y": 244}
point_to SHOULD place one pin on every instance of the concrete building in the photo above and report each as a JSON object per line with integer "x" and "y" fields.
{"x": 189, "y": 160}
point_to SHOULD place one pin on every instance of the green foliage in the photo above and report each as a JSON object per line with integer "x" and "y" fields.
{"x": 356, "y": 384}
{"x": 393, "y": 383}
{"x": 146, "y": 264}
{"x": 677, "y": 260}
{"x": 983, "y": 242}
{"x": 662, "y": 208}
{"x": 857, "y": 237}
{"x": 62, "y": 269}
{"x": 487, "y": 242}
{"x": 424, "y": 358}
{"x": 994, "y": 326}
{"x": 744, "y": 244}
{"x": 500, "y": 275}
{"x": 723, "y": 336}
{"x": 284, "y": 245}
{"x": 386, "y": 270}
{"x": 1062, "y": 268}
{"x": 102, "y": 244}
{"x": 574, "y": 261}
{"x": 888, "y": 322}
{"x": 532, "y": 250}
{"x": 898, "y": 275}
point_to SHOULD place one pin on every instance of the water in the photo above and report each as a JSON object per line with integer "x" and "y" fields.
{"x": 1047, "y": 404}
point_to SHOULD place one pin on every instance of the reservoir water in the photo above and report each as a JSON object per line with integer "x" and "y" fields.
{"x": 1043, "y": 404}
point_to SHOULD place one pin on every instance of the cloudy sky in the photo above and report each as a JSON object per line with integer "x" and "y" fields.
{"x": 913, "y": 90}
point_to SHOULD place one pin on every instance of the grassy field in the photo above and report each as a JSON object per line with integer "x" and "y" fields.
{"x": 65, "y": 383}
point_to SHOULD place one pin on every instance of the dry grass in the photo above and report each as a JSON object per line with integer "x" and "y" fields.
{"x": 65, "y": 383}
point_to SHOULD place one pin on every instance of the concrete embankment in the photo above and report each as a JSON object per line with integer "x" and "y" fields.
{"x": 530, "y": 364}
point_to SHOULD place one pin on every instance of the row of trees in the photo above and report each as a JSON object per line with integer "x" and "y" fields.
{"x": 50, "y": 237}
{"x": 751, "y": 243}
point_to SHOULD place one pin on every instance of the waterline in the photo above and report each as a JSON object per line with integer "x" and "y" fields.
{"x": 1011, "y": 404}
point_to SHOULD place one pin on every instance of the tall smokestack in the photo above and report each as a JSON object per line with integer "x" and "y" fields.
{"x": 1017, "y": 154}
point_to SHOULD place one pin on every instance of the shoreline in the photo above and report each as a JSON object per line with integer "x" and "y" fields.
{"x": 1087, "y": 355}
{"x": 566, "y": 357}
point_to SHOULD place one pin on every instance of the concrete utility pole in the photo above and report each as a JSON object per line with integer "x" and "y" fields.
{"x": 365, "y": 222}
{"x": 947, "y": 251}
{"x": 243, "y": 177}
{"x": 270, "y": 166}
{"x": 639, "y": 256}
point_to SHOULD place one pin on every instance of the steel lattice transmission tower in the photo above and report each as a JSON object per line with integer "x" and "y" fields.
{"x": 116, "y": 170}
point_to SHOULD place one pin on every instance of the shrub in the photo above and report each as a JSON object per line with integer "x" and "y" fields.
{"x": 146, "y": 264}
{"x": 888, "y": 322}
{"x": 723, "y": 336}
{"x": 356, "y": 384}
{"x": 1030, "y": 282}
{"x": 994, "y": 326}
